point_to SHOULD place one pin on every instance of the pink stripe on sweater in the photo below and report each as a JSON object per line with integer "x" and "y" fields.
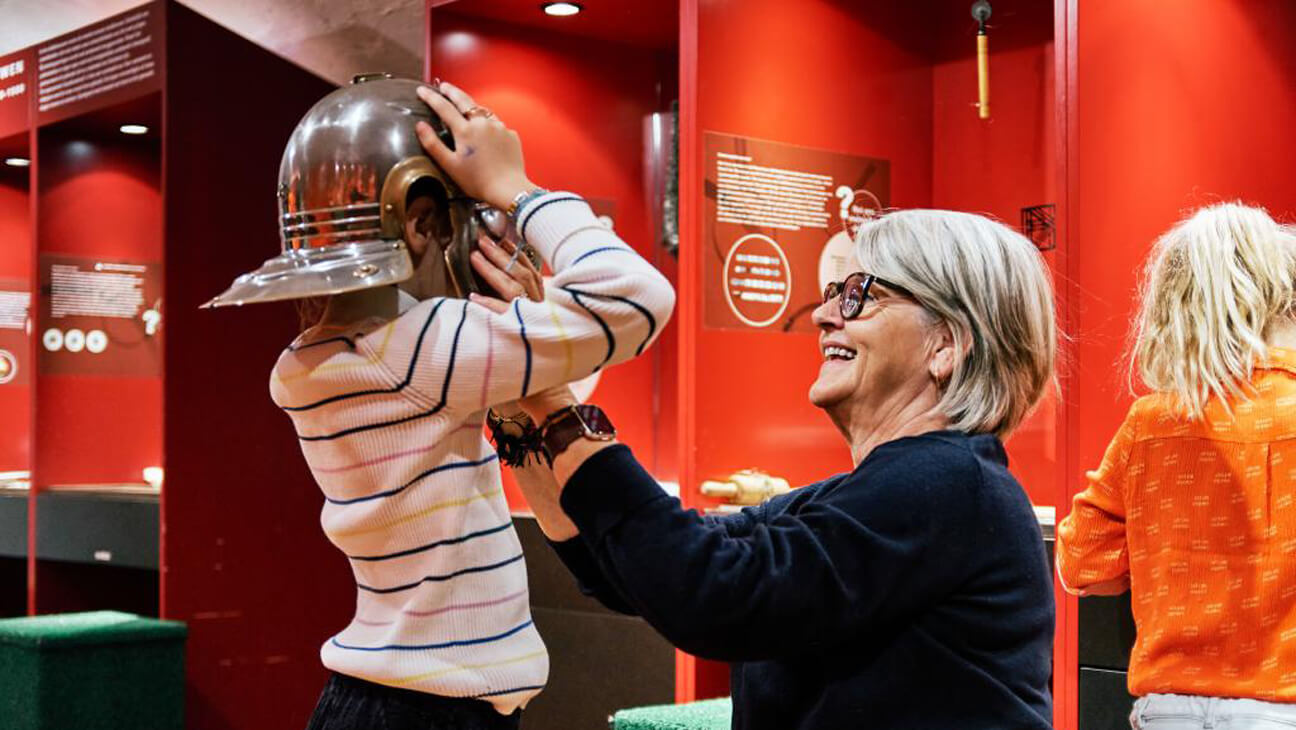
{"x": 446, "y": 609}
{"x": 490, "y": 358}
{"x": 397, "y": 455}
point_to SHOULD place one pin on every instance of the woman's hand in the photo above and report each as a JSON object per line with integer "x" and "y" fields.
{"x": 487, "y": 159}
{"x": 509, "y": 272}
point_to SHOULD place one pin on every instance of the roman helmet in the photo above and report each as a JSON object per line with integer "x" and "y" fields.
{"x": 346, "y": 176}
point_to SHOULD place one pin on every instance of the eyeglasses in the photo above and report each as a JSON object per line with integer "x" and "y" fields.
{"x": 853, "y": 292}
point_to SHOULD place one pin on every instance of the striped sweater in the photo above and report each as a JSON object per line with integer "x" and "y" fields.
{"x": 389, "y": 415}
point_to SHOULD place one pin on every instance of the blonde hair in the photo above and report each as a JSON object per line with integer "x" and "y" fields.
{"x": 1213, "y": 285}
{"x": 310, "y": 311}
{"x": 989, "y": 284}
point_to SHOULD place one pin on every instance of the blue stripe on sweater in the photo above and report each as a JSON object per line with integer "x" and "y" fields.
{"x": 527, "y": 688}
{"x": 526, "y": 377}
{"x": 432, "y": 545}
{"x": 607, "y": 332}
{"x": 445, "y": 388}
{"x": 434, "y": 470}
{"x": 427, "y": 647}
{"x": 440, "y": 578}
{"x": 652, "y": 321}
{"x": 591, "y": 252}
{"x": 298, "y": 348}
{"x": 409, "y": 373}
{"x": 530, "y": 213}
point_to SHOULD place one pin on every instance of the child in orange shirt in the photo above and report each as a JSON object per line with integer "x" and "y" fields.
{"x": 1193, "y": 508}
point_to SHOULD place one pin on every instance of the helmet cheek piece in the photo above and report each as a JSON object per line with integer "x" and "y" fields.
{"x": 464, "y": 225}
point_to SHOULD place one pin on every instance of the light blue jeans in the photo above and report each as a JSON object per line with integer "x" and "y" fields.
{"x": 1190, "y": 712}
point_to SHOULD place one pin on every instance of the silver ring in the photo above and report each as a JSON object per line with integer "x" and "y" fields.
{"x": 517, "y": 250}
{"x": 479, "y": 111}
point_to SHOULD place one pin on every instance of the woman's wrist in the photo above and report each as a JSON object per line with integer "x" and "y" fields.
{"x": 502, "y": 194}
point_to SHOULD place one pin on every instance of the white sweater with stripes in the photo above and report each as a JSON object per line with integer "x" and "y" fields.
{"x": 389, "y": 415}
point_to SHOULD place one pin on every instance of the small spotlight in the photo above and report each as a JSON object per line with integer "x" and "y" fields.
{"x": 561, "y": 10}
{"x": 134, "y": 129}
{"x": 17, "y": 161}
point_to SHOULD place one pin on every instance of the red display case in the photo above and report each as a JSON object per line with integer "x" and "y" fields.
{"x": 163, "y": 479}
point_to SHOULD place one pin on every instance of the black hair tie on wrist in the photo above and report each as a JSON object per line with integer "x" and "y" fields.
{"x": 516, "y": 438}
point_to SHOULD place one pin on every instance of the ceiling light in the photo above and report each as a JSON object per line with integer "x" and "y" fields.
{"x": 17, "y": 161}
{"x": 561, "y": 9}
{"x": 134, "y": 129}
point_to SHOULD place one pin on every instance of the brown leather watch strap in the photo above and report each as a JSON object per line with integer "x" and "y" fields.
{"x": 563, "y": 427}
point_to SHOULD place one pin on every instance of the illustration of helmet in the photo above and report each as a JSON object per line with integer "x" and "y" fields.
{"x": 346, "y": 176}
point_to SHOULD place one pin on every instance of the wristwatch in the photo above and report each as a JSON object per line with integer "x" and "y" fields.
{"x": 564, "y": 427}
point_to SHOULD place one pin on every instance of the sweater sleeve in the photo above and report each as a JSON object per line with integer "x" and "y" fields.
{"x": 1091, "y": 547}
{"x": 580, "y": 561}
{"x": 839, "y": 568}
{"x": 583, "y": 566}
{"x": 604, "y": 305}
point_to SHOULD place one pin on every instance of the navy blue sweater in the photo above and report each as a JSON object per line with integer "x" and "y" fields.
{"x": 913, "y": 592}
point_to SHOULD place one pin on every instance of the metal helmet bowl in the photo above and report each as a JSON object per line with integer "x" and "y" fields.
{"x": 344, "y": 183}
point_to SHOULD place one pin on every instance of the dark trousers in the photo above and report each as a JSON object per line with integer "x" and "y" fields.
{"x": 348, "y": 703}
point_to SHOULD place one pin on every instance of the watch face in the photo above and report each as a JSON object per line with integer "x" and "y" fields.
{"x": 597, "y": 423}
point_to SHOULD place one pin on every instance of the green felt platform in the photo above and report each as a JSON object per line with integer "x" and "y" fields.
{"x": 705, "y": 715}
{"x": 103, "y": 670}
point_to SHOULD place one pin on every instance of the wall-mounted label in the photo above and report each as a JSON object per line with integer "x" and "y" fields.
{"x": 779, "y": 219}
{"x": 99, "y": 317}
{"x": 15, "y": 92}
{"x": 757, "y": 280}
{"x": 116, "y": 59}
{"x": 15, "y": 303}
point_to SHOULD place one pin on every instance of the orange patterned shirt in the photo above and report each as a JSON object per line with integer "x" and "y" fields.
{"x": 1200, "y": 516}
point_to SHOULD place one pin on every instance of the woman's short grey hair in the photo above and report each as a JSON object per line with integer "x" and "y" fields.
{"x": 989, "y": 284}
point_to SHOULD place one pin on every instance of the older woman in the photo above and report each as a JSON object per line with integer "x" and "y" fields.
{"x": 911, "y": 592}
{"x": 1194, "y": 505}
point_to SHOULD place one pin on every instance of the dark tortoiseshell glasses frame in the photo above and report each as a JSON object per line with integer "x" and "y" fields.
{"x": 852, "y": 292}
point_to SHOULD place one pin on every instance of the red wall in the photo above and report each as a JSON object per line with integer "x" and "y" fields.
{"x": 1000, "y": 165}
{"x": 885, "y": 81}
{"x": 813, "y": 74}
{"x": 1175, "y": 110}
{"x": 99, "y": 196}
{"x": 244, "y": 562}
{"x": 579, "y": 105}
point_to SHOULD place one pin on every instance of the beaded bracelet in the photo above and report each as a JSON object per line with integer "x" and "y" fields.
{"x": 516, "y": 438}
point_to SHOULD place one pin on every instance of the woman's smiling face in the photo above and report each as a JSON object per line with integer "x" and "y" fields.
{"x": 882, "y": 352}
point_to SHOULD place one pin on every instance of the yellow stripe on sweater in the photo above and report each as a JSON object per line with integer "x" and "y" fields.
{"x": 416, "y": 515}
{"x": 562, "y": 332}
{"x": 416, "y": 678}
{"x": 342, "y": 367}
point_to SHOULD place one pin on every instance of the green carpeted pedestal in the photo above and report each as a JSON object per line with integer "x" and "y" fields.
{"x": 705, "y": 715}
{"x": 91, "y": 671}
